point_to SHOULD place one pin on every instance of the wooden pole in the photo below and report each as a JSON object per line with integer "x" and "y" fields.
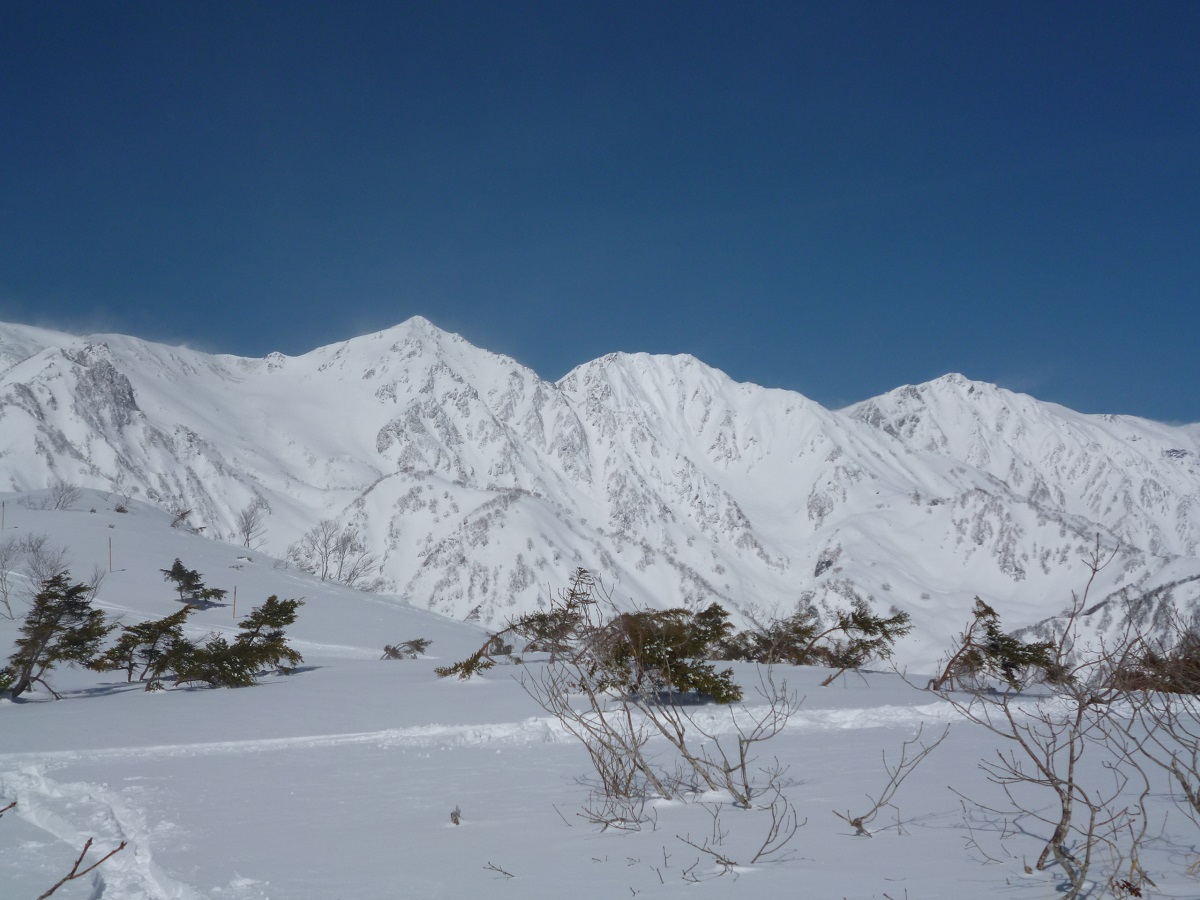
{"x": 3, "y": 509}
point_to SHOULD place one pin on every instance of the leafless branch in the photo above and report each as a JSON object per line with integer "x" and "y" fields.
{"x": 76, "y": 872}
{"x": 1048, "y": 735}
{"x": 896, "y": 775}
{"x": 784, "y": 825}
{"x": 492, "y": 867}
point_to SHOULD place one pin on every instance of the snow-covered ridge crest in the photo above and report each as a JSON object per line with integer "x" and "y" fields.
{"x": 479, "y": 484}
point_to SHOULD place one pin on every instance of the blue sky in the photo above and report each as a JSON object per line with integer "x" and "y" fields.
{"x": 835, "y": 198}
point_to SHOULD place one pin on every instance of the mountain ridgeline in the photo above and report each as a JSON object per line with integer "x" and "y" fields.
{"x": 478, "y": 487}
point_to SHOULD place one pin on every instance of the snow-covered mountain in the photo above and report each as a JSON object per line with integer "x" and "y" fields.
{"x": 480, "y": 486}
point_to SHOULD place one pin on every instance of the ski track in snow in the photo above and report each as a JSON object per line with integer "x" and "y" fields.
{"x": 109, "y": 818}
{"x": 75, "y": 811}
{"x": 534, "y": 730}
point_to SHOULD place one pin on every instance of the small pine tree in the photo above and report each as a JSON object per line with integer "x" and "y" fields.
{"x": 653, "y": 651}
{"x": 985, "y": 649}
{"x": 788, "y": 640}
{"x": 259, "y": 646}
{"x": 865, "y": 638}
{"x": 61, "y": 627}
{"x": 216, "y": 663}
{"x": 479, "y": 661}
{"x": 142, "y": 645}
{"x": 262, "y": 639}
{"x": 406, "y": 649}
{"x": 639, "y": 652}
{"x": 186, "y": 580}
{"x": 853, "y": 638}
{"x": 190, "y": 585}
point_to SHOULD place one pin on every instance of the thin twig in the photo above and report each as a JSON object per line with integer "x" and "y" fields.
{"x": 490, "y": 866}
{"x": 75, "y": 872}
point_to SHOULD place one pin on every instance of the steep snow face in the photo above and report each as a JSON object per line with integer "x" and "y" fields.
{"x": 479, "y": 485}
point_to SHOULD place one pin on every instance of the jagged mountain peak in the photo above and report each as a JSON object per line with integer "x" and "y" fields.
{"x": 675, "y": 383}
{"x": 415, "y": 344}
{"x": 644, "y": 367}
{"x": 951, "y": 409}
{"x": 949, "y": 388}
{"x": 414, "y": 329}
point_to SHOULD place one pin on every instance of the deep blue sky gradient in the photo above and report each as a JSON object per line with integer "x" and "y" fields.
{"x": 836, "y": 198}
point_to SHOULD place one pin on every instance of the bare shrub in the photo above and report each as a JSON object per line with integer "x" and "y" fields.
{"x": 492, "y": 867}
{"x": 910, "y": 758}
{"x": 336, "y": 552}
{"x": 783, "y": 827}
{"x": 726, "y": 762}
{"x": 618, "y": 680}
{"x": 60, "y": 495}
{"x": 713, "y": 846}
{"x": 1089, "y": 818}
{"x": 124, "y": 491}
{"x": 620, "y": 812}
{"x": 10, "y": 556}
{"x": 96, "y": 581}
{"x": 250, "y": 524}
{"x": 42, "y": 560}
{"x": 32, "y": 560}
{"x": 64, "y": 495}
{"x": 614, "y": 736}
{"x": 1161, "y": 679}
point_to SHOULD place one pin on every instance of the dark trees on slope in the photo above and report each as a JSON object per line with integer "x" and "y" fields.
{"x": 853, "y": 638}
{"x": 259, "y": 646}
{"x": 61, "y": 627}
{"x": 641, "y": 652}
{"x": 158, "y": 649}
{"x": 142, "y": 646}
{"x": 984, "y": 650}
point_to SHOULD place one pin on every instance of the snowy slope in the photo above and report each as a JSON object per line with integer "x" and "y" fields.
{"x": 338, "y": 781}
{"x": 478, "y": 484}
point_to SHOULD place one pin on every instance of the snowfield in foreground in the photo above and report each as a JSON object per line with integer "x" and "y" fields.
{"x": 338, "y": 781}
